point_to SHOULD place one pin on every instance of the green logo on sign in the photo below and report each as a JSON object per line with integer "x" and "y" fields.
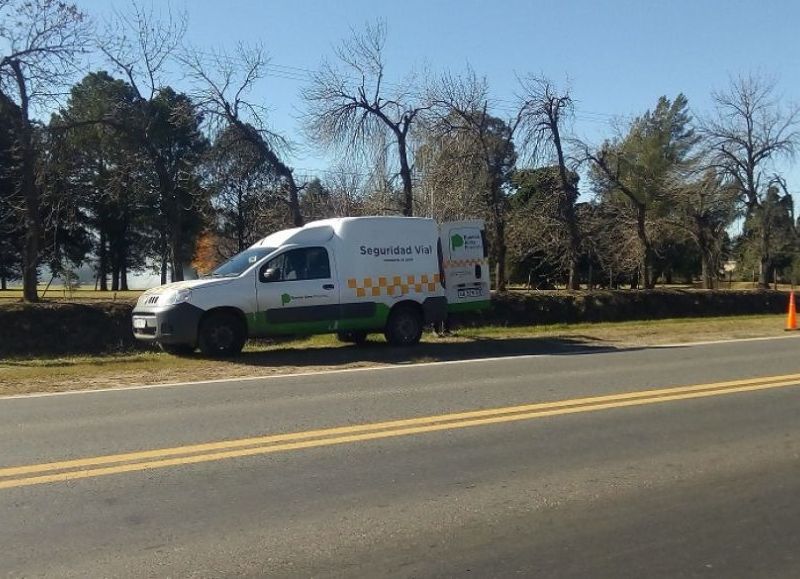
{"x": 285, "y": 299}
{"x": 456, "y": 241}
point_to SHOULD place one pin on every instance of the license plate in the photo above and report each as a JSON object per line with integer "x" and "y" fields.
{"x": 139, "y": 323}
{"x": 470, "y": 293}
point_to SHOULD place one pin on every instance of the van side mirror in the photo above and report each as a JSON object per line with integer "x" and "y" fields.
{"x": 270, "y": 274}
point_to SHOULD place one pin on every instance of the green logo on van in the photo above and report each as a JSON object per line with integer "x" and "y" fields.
{"x": 285, "y": 299}
{"x": 456, "y": 241}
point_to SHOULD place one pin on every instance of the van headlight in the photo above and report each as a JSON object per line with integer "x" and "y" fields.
{"x": 173, "y": 297}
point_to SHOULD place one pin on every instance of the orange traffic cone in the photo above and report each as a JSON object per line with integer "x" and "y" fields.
{"x": 791, "y": 318}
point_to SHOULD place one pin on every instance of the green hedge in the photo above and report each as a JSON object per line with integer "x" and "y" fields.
{"x": 105, "y": 327}
{"x": 525, "y": 308}
{"x": 52, "y": 328}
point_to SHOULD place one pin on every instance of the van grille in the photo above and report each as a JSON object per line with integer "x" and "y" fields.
{"x": 152, "y": 300}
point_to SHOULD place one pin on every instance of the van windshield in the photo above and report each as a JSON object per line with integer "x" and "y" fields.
{"x": 241, "y": 261}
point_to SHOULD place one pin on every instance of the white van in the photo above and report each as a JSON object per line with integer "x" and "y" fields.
{"x": 351, "y": 276}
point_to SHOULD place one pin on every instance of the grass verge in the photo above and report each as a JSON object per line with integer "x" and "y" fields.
{"x": 59, "y": 293}
{"x": 21, "y": 375}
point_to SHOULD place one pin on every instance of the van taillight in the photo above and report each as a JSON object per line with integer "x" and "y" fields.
{"x": 440, "y": 259}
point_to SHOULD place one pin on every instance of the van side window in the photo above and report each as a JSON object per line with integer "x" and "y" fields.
{"x": 299, "y": 264}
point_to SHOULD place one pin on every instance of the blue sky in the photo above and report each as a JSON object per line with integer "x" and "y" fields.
{"x": 618, "y": 57}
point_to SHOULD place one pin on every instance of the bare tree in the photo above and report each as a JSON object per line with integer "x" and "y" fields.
{"x": 536, "y": 243}
{"x": 350, "y": 105}
{"x": 609, "y": 238}
{"x": 462, "y": 117}
{"x": 747, "y": 133}
{"x": 222, "y": 87}
{"x": 450, "y": 179}
{"x": 546, "y": 109}
{"x": 42, "y": 41}
{"x": 346, "y": 185}
{"x": 541, "y": 242}
{"x": 141, "y": 43}
{"x": 616, "y": 171}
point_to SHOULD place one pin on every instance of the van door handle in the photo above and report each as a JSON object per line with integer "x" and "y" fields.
{"x": 327, "y": 286}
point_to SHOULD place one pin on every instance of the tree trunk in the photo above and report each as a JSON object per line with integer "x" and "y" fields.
{"x": 765, "y": 260}
{"x": 573, "y": 281}
{"x": 707, "y": 261}
{"x": 763, "y": 272}
{"x": 171, "y": 226}
{"x": 114, "y": 252}
{"x": 176, "y": 254}
{"x": 647, "y": 252}
{"x": 494, "y": 200}
{"x": 176, "y": 243}
{"x": 294, "y": 198}
{"x": 500, "y": 254}
{"x": 405, "y": 175}
{"x": 707, "y": 268}
{"x": 102, "y": 268}
{"x": 3, "y": 283}
{"x": 164, "y": 257}
{"x": 124, "y": 248}
{"x": 30, "y": 256}
{"x": 30, "y": 192}
{"x": 569, "y": 197}
{"x": 123, "y": 266}
{"x": 240, "y": 222}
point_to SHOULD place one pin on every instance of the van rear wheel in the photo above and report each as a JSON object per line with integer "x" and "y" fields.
{"x": 221, "y": 335}
{"x": 404, "y": 327}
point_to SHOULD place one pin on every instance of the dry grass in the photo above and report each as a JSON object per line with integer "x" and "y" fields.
{"x": 648, "y": 332}
{"x": 325, "y": 352}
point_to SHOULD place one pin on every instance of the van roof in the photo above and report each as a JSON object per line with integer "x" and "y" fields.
{"x": 323, "y": 229}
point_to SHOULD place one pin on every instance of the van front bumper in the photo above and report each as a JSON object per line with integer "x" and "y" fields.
{"x": 176, "y": 324}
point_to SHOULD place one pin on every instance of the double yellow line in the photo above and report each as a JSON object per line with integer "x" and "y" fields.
{"x": 192, "y": 454}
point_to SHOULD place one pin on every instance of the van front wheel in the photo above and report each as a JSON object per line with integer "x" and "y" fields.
{"x": 404, "y": 327}
{"x": 221, "y": 335}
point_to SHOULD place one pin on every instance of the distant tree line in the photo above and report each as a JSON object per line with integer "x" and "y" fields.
{"x": 118, "y": 169}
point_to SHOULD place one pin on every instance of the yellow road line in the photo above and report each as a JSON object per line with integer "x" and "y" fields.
{"x": 293, "y": 436}
{"x": 163, "y": 458}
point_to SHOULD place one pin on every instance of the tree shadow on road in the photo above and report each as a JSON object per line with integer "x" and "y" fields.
{"x": 375, "y": 352}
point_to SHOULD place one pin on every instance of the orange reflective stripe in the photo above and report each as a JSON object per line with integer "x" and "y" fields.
{"x": 396, "y": 285}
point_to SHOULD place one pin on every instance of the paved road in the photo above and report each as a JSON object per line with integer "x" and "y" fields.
{"x": 542, "y": 466}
